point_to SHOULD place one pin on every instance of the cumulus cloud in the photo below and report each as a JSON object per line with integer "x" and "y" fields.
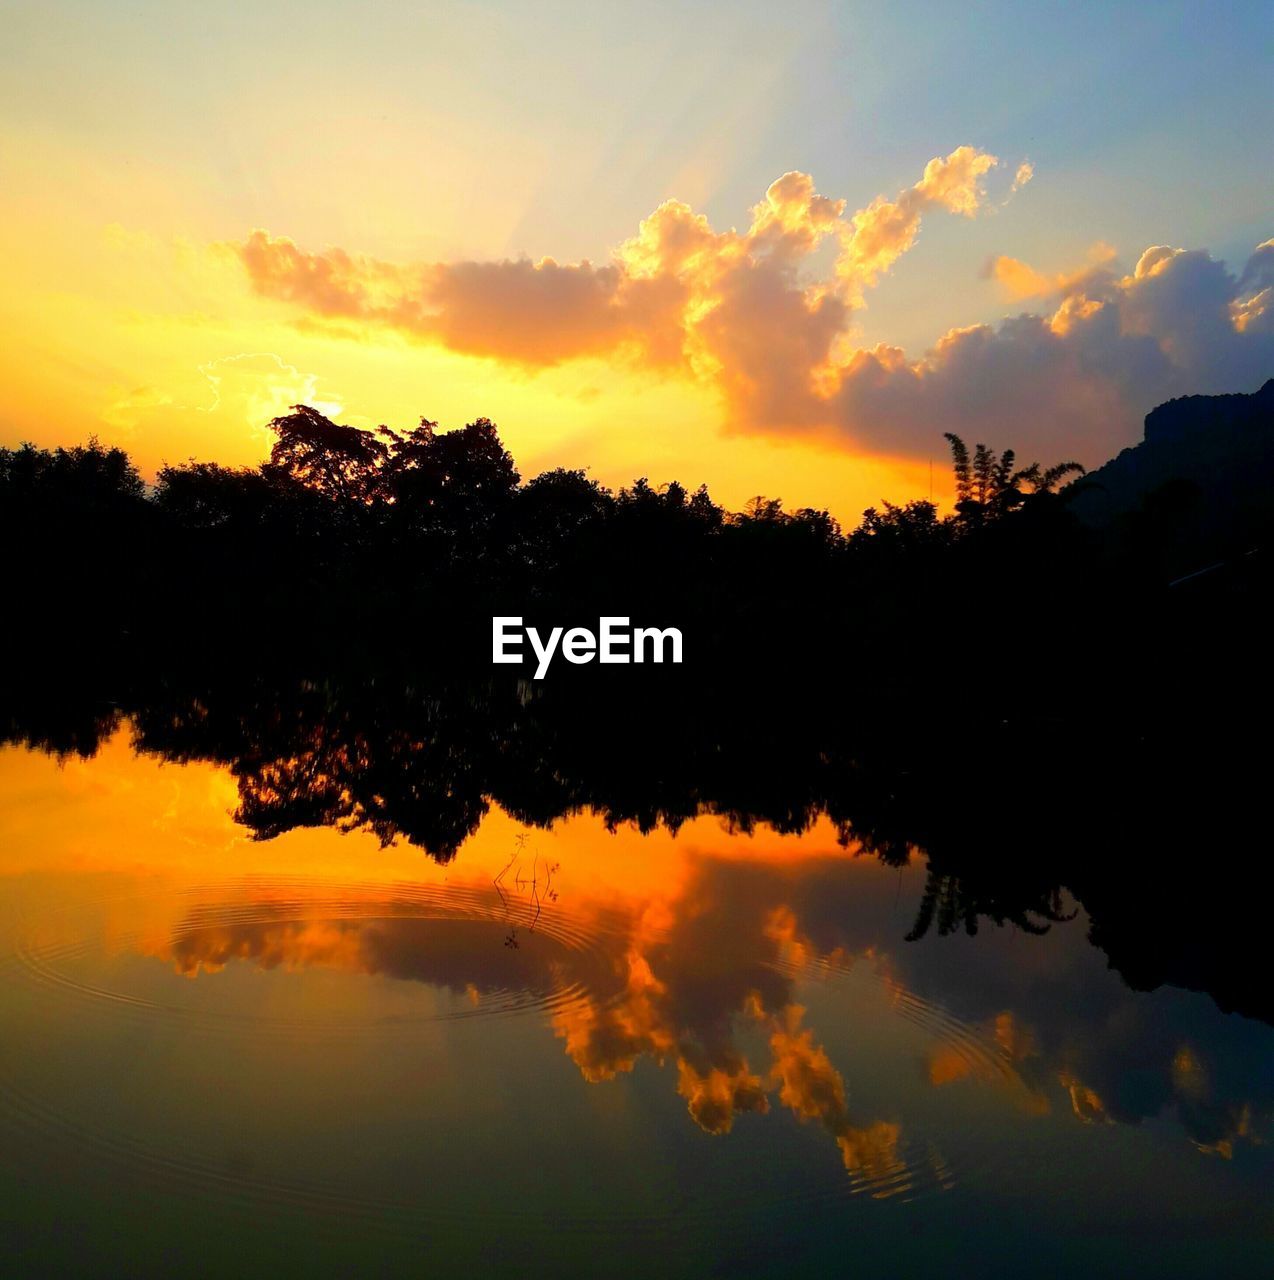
{"x": 1077, "y": 378}
{"x": 765, "y": 317}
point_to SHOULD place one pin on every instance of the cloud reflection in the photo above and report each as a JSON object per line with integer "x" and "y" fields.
{"x": 705, "y": 980}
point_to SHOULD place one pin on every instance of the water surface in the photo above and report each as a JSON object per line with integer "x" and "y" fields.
{"x": 578, "y": 1050}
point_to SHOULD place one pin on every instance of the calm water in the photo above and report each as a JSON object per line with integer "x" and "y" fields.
{"x": 576, "y": 1051}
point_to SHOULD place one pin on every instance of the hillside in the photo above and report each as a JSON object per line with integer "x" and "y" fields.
{"x": 1201, "y": 480}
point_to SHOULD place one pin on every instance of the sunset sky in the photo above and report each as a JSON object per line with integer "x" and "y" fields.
{"x": 776, "y": 248}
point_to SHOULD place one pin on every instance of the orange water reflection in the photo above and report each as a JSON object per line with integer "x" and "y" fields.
{"x": 692, "y": 952}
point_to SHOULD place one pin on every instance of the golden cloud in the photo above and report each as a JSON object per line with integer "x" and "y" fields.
{"x": 1019, "y": 280}
{"x": 764, "y": 316}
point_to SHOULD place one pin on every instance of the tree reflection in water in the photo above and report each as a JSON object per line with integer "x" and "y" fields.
{"x": 1009, "y": 818}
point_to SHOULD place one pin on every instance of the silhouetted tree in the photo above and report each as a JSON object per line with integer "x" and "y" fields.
{"x": 306, "y": 624}
{"x": 987, "y": 486}
{"x": 343, "y": 464}
{"x": 900, "y": 530}
{"x": 457, "y": 479}
{"x": 88, "y": 478}
{"x": 204, "y": 495}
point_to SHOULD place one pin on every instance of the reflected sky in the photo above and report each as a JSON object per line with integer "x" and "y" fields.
{"x": 569, "y": 1039}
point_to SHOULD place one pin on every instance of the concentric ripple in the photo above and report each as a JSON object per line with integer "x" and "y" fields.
{"x": 494, "y": 958}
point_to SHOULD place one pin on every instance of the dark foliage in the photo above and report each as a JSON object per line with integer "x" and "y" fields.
{"x": 1030, "y": 703}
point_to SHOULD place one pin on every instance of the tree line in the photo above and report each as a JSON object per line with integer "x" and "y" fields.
{"x": 343, "y": 527}
{"x": 1028, "y": 701}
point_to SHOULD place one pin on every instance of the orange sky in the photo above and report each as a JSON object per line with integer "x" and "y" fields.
{"x": 160, "y": 343}
{"x": 782, "y": 257}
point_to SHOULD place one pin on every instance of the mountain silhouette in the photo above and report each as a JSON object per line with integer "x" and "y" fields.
{"x": 1200, "y": 482}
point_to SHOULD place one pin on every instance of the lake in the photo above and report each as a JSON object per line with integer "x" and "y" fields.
{"x": 577, "y": 1048}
